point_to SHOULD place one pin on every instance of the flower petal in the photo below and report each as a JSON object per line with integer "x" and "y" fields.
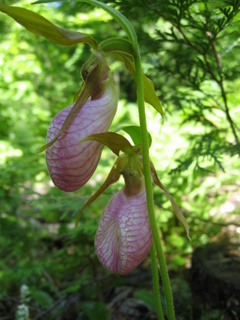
{"x": 71, "y": 164}
{"x": 124, "y": 235}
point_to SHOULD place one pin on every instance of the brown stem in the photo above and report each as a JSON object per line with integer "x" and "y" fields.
{"x": 229, "y": 118}
{"x": 223, "y": 93}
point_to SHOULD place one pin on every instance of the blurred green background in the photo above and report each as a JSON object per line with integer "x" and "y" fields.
{"x": 191, "y": 51}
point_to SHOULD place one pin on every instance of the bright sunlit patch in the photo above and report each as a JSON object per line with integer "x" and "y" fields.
{"x": 40, "y": 176}
{"x": 227, "y": 207}
{"x": 7, "y": 151}
{"x": 92, "y": 15}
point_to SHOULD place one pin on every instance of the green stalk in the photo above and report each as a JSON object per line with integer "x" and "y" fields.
{"x": 156, "y": 289}
{"x": 148, "y": 183}
{"x": 127, "y": 26}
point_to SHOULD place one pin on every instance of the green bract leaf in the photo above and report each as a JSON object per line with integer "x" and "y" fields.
{"x": 37, "y": 24}
{"x": 135, "y": 133}
{"x": 112, "y": 140}
{"x": 150, "y": 95}
{"x": 116, "y": 44}
{"x": 176, "y": 210}
{"x": 113, "y": 177}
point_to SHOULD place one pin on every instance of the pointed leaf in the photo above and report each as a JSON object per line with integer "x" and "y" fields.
{"x": 112, "y": 140}
{"x": 37, "y": 24}
{"x": 135, "y": 133}
{"x": 113, "y": 177}
{"x": 176, "y": 210}
{"x": 150, "y": 95}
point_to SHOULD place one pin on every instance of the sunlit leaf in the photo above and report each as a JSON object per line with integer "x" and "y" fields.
{"x": 37, "y": 24}
{"x": 135, "y": 133}
{"x": 112, "y": 140}
{"x": 150, "y": 95}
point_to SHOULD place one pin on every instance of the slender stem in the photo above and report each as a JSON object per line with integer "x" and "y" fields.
{"x": 156, "y": 290}
{"x": 148, "y": 183}
{"x": 229, "y": 118}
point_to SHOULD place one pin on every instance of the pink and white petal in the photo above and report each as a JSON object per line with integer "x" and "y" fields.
{"x": 124, "y": 237}
{"x": 70, "y": 163}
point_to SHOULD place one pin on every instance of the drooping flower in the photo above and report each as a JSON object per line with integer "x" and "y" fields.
{"x": 70, "y": 163}
{"x": 124, "y": 237}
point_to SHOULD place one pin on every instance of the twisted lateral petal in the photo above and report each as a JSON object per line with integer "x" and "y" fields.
{"x": 70, "y": 163}
{"x": 124, "y": 236}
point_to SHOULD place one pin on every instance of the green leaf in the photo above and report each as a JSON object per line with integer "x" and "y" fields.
{"x": 112, "y": 140}
{"x": 117, "y": 44}
{"x": 41, "y": 297}
{"x": 37, "y": 24}
{"x": 175, "y": 207}
{"x": 148, "y": 298}
{"x": 135, "y": 133}
{"x": 150, "y": 95}
{"x": 95, "y": 310}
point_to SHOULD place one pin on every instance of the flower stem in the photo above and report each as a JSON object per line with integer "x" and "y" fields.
{"x": 148, "y": 183}
{"x": 156, "y": 290}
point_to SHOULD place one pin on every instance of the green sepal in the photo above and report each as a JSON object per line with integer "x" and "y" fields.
{"x": 150, "y": 95}
{"x": 117, "y": 44}
{"x": 77, "y": 94}
{"x": 176, "y": 210}
{"x": 37, "y": 24}
{"x": 135, "y": 133}
{"x": 112, "y": 140}
{"x": 113, "y": 177}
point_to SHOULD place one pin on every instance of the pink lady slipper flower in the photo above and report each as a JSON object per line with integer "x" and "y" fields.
{"x": 70, "y": 163}
{"x": 124, "y": 235}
